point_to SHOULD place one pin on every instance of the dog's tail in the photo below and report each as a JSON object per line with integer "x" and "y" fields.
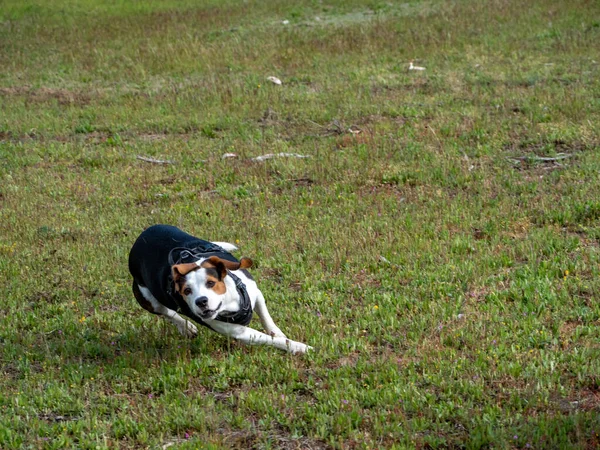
{"x": 226, "y": 246}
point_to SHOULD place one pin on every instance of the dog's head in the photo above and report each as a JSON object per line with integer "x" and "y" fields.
{"x": 203, "y": 285}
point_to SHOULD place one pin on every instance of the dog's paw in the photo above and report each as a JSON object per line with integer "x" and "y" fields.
{"x": 298, "y": 348}
{"x": 188, "y": 329}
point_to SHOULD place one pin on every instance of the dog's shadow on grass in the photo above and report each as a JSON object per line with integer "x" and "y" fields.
{"x": 91, "y": 345}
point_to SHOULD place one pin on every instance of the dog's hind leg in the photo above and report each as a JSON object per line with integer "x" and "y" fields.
{"x": 253, "y": 337}
{"x": 150, "y": 304}
{"x": 265, "y": 318}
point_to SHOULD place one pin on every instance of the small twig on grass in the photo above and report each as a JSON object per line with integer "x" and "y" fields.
{"x": 278, "y": 155}
{"x": 471, "y": 166}
{"x": 154, "y": 161}
{"x": 354, "y": 130}
{"x": 338, "y": 128}
{"x": 554, "y": 167}
{"x": 208, "y": 193}
{"x": 434, "y": 134}
{"x": 558, "y": 157}
{"x": 334, "y": 127}
{"x": 384, "y": 260}
{"x": 306, "y": 180}
{"x": 317, "y": 124}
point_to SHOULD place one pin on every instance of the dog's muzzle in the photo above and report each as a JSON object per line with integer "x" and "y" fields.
{"x": 201, "y": 302}
{"x": 205, "y": 313}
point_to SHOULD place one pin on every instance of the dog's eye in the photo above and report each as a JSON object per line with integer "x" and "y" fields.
{"x": 210, "y": 284}
{"x": 187, "y": 291}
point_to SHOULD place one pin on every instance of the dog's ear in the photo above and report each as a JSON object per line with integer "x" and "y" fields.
{"x": 246, "y": 263}
{"x": 178, "y": 271}
{"x": 223, "y": 265}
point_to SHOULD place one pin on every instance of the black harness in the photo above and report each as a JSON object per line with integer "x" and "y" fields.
{"x": 189, "y": 255}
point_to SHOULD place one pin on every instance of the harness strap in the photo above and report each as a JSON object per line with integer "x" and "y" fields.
{"x": 243, "y": 316}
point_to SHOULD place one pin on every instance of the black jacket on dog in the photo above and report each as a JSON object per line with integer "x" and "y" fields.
{"x": 161, "y": 246}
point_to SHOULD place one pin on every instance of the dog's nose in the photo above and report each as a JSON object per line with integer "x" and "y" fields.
{"x": 201, "y": 302}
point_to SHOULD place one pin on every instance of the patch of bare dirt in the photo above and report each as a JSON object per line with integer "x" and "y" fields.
{"x": 280, "y": 436}
{"x": 352, "y": 139}
{"x": 345, "y": 361}
{"x": 239, "y": 439}
{"x": 304, "y": 181}
{"x": 42, "y": 297}
{"x": 10, "y": 371}
{"x": 152, "y": 137}
{"x": 6, "y": 136}
{"x": 45, "y": 94}
{"x": 585, "y": 400}
{"x": 544, "y": 156}
{"x": 567, "y": 329}
{"x": 285, "y": 441}
{"x": 519, "y": 229}
{"x": 364, "y": 279}
{"x": 478, "y": 294}
{"x": 272, "y": 274}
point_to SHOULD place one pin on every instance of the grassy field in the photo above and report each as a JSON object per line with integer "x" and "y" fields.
{"x": 443, "y": 262}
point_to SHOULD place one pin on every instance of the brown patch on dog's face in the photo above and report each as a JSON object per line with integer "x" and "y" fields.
{"x": 183, "y": 288}
{"x": 216, "y": 271}
{"x": 213, "y": 282}
{"x": 179, "y": 271}
{"x": 214, "y": 277}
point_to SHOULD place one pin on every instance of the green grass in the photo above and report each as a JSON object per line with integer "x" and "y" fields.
{"x": 450, "y": 289}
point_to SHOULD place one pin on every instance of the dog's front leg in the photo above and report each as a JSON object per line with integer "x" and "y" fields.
{"x": 260, "y": 308}
{"x": 253, "y": 337}
{"x": 149, "y": 303}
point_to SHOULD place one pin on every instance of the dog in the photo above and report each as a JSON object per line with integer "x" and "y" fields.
{"x": 175, "y": 272}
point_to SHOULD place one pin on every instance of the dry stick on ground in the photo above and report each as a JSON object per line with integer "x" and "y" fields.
{"x": 434, "y": 135}
{"x": 558, "y": 157}
{"x": 154, "y": 161}
{"x": 337, "y": 127}
{"x": 278, "y": 155}
{"x": 384, "y": 260}
{"x": 317, "y": 124}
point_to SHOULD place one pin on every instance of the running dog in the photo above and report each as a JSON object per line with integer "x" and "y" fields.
{"x": 174, "y": 272}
